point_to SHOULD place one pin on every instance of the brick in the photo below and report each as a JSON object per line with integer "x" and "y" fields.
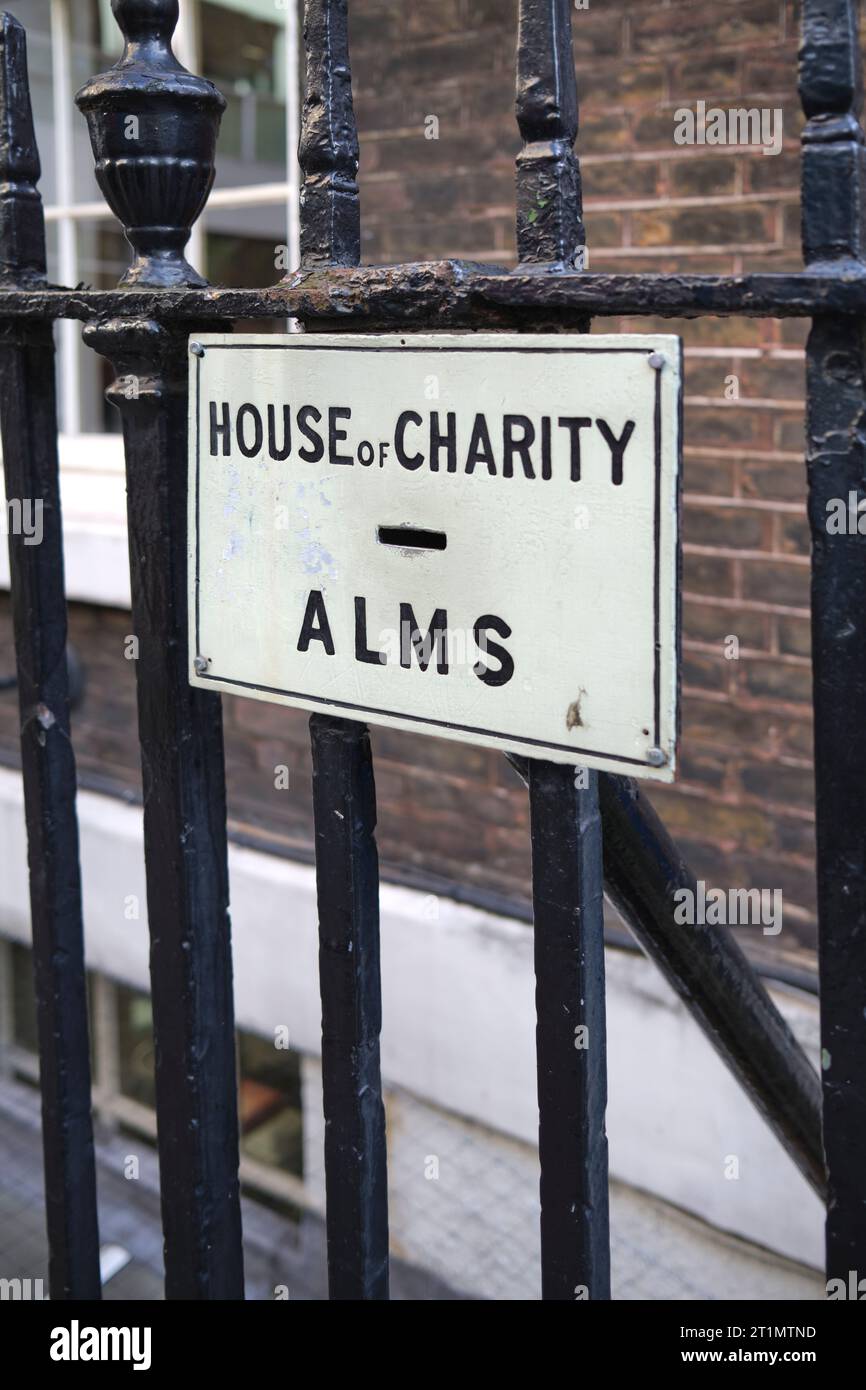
{"x": 794, "y": 536}
{"x": 722, "y": 426}
{"x": 665, "y": 30}
{"x": 707, "y": 574}
{"x": 722, "y": 823}
{"x": 730, "y": 528}
{"x": 772, "y": 72}
{"x": 776, "y": 680}
{"x": 602, "y": 133}
{"x": 785, "y": 785}
{"x": 705, "y": 622}
{"x": 699, "y": 226}
{"x": 706, "y": 671}
{"x": 707, "y": 177}
{"x": 790, "y": 434}
{"x": 795, "y": 636}
{"x": 434, "y": 21}
{"x": 713, "y": 477}
{"x": 708, "y": 376}
{"x": 766, "y": 173}
{"x": 619, "y": 85}
{"x": 710, "y": 332}
{"x": 621, "y": 178}
{"x": 795, "y": 737}
{"x": 704, "y": 770}
{"x": 704, "y": 76}
{"x": 773, "y": 378}
{"x": 458, "y": 759}
{"x": 776, "y": 582}
{"x": 775, "y": 481}
{"x": 264, "y": 720}
{"x": 603, "y": 229}
{"x": 797, "y": 837}
{"x": 721, "y": 724}
{"x": 593, "y": 34}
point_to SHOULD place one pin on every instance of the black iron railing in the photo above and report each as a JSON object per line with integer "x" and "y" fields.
{"x": 157, "y": 184}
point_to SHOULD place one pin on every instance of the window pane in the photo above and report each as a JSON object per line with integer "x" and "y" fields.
{"x": 135, "y": 1039}
{"x": 269, "y": 1102}
{"x": 24, "y": 1030}
{"x": 242, "y": 261}
{"x": 243, "y": 52}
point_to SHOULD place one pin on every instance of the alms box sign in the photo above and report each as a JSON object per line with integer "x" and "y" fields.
{"x": 468, "y": 535}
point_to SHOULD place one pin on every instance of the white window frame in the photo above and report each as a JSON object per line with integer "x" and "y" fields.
{"x": 66, "y": 213}
{"x": 91, "y": 465}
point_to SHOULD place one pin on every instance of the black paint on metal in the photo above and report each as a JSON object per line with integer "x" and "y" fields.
{"x": 328, "y": 149}
{"x": 28, "y": 422}
{"x": 566, "y": 829}
{"x": 140, "y": 114}
{"x": 180, "y": 728}
{"x": 568, "y": 912}
{"x": 704, "y": 965}
{"x": 549, "y": 221}
{"x": 459, "y": 294}
{"x": 347, "y": 877}
{"x": 180, "y": 732}
{"x": 344, "y": 794}
{"x": 567, "y": 875}
{"x": 834, "y": 235}
{"x": 142, "y": 327}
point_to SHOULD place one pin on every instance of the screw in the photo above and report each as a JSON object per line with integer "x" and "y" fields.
{"x": 656, "y": 757}
{"x": 200, "y": 664}
{"x": 196, "y": 349}
{"x": 657, "y": 360}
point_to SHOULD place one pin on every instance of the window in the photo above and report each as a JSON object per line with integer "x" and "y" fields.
{"x": 269, "y": 1084}
{"x": 135, "y": 1046}
{"x": 24, "y": 1028}
{"x": 17, "y": 990}
{"x": 270, "y": 1097}
{"x": 249, "y": 48}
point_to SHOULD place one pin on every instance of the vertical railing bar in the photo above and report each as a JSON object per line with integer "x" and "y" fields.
{"x": 568, "y": 903}
{"x": 549, "y": 205}
{"x": 565, "y": 823}
{"x": 834, "y": 235}
{"x": 347, "y": 874}
{"x": 29, "y": 435}
{"x": 180, "y": 727}
{"x": 344, "y": 797}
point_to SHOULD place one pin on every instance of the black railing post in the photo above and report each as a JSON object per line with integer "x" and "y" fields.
{"x": 834, "y": 238}
{"x": 180, "y": 728}
{"x": 567, "y": 877}
{"x": 549, "y": 207}
{"x": 706, "y": 967}
{"x": 344, "y": 795}
{"x": 29, "y": 432}
{"x": 347, "y": 872}
{"x": 568, "y": 912}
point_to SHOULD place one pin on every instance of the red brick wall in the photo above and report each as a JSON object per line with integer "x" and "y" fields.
{"x": 743, "y": 806}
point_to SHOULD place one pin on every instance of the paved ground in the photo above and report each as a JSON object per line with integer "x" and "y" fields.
{"x": 657, "y": 1251}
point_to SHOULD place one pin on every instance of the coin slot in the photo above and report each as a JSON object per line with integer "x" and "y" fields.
{"x": 411, "y": 538}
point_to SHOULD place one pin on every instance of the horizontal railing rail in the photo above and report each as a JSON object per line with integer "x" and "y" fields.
{"x": 465, "y": 294}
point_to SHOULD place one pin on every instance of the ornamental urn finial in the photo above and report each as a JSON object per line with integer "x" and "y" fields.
{"x": 153, "y": 129}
